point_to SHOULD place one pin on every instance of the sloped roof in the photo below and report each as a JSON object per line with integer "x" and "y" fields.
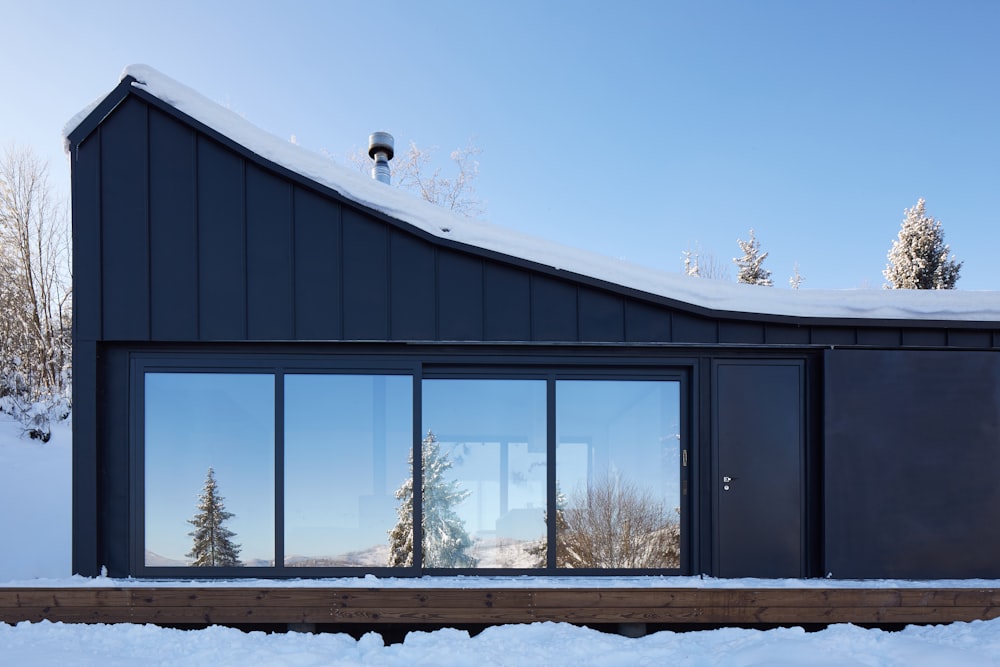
{"x": 719, "y": 297}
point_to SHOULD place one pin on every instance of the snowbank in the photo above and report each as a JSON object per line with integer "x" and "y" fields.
{"x": 56, "y": 645}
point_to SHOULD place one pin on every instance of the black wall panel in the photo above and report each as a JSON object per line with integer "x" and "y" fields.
{"x": 602, "y": 316}
{"x": 173, "y": 229}
{"x": 969, "y": 338}
{"x": 270, "y": 306}
{"x": 86, "y": 478}
{"x": 87, "y": 258}
{"x": 114, "y": 461}
{"x": 828, "y": 335}
{"x": 785, "y": 334}
{"x": 879, "y": 336}
{"x": 221, "y": 244}
{"x": 124, "y": 232}
{"x": 912, "y": 458}
{"x": 738, "y": 331}
{"x": 460, "y": 296}
{"x": 413, "y": 288}
{"x": 693, "y": 329}
{"x": 924, "y": 338}
{"x": 366, "y": 277}
{"x": 645, "y": 323}
{"x": 507, "y": 306}
{"x": 318, "y": 299}
{"x": 553, "y": 309}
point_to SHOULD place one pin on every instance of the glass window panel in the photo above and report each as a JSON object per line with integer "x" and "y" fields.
{"x": 618, "y": 474}
{"x": 201, "y": 422}
{"x": 484, "y": 473}
{"x": 347, "y": 443}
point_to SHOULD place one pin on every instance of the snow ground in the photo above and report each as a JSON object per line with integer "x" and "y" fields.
{"x": 35, "y": 491}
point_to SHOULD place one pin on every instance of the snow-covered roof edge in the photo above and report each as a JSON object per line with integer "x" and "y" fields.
{"x": 719, "y": 296}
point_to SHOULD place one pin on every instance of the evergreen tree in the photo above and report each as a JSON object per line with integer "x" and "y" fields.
{"x": 691, "y": 267}
{"x": 213, "y": 545}
{"x": 919, "y": 257}
{"x": 751, "y": 264}
{"x": 445, "y": 540}
{"x": 796, "y": 280}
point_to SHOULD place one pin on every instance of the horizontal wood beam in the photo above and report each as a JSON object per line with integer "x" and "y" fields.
{"x": 427, "y": 606}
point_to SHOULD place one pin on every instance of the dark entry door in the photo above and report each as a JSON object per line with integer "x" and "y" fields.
{"x": 759, "y": 448}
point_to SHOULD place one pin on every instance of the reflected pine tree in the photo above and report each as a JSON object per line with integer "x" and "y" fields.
{"x": 213, "y": 543}
{"x": 445, "y": 540}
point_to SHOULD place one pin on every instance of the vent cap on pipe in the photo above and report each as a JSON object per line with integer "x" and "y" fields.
{"x": 380, "y": 149}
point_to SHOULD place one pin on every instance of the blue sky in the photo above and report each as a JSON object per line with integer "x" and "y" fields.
{"x": 635, "y": 129}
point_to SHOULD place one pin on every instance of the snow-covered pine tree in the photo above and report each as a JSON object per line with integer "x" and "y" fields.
{"x": 796, "y": 280}
{"x": 691, "y": 267}
{"x": 918, "y": 258}
{"x": 445, "y": 540}
{"x": 751, "y": 264}
{"x": 213, "y": 543}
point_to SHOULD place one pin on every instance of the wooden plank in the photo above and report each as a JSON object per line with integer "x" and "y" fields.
{"x": 418, "y": 606}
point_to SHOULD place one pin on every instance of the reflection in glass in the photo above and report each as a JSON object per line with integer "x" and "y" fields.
{"x": 201, "y": 422}
{"x": 618, "y": 474}
{"x": 347, "y": 438}
{"x": 489, "y": 437}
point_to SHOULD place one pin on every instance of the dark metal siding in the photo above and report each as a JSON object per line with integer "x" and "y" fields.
{"x": 645, "y": 323}
{"x": 911, "y": 464}
{"x": 221, "y": 243}
{"x": 460, "y": 302}
{"x": 115, "y": 462}
{"x": 124, "y": 223}
{"x": 270, "y": 280}
{"x": 183, "y": 236}
{"x": 412, "y": 288}
{"x": 602, "y": 316}
{"x": 86, "y": 170}
{"x": 366, "y": 278}
{"x": 173, "y": 230}
{"x": 693, "y": 329}
{"x": 745, "y": 333}
{"x": 318, "y": 297}
{"x": 553, "y": 309}
{"x": 778, "y": 334}
{"x": 508, "y": 303}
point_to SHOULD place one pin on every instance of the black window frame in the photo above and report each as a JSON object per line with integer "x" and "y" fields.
{"x": 419, "y": 367}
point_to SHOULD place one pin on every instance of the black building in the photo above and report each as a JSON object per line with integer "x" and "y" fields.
{"x": 247, "y": 307}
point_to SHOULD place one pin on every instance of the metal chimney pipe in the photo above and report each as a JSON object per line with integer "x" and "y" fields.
{"x": 380, "y": 149}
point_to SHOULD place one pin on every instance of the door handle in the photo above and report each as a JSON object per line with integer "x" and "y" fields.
{"x": 726, "y": 481}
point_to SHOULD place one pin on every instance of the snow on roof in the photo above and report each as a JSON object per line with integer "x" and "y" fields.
{"x": 973, "y": 306}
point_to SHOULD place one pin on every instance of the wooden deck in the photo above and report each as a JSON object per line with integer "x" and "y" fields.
{"x": 435, "y": 607}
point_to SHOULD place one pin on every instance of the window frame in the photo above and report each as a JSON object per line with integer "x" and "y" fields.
{"x": 419, "y": 367}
